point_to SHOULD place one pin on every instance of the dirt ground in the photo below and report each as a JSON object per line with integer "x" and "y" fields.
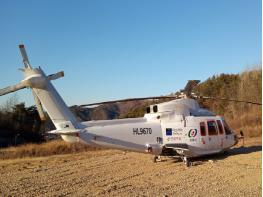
{"x": 115, "y": 173}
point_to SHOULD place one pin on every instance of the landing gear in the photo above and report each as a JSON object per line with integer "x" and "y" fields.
{"x": 186, "y": 161}
{"x": 156, "y": 158}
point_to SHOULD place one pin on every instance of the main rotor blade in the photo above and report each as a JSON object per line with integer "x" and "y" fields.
{"x": 130, "y": 99}
{"x": 24, "y": 56}
{"x": 225, "y": 99}
{"x": 12, "y": 88}
{"x": 190, "y": 86}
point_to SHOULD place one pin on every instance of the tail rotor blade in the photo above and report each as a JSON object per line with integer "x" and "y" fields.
{"x": 24, "y": 56}
{"x": 10, "y": 89}
{"x": 56, "y": 75}
{"x": 39, "y": 107}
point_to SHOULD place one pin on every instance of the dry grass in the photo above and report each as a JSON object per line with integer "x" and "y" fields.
{"x": 249, "y": 122}
{"x": 55, "y": 147}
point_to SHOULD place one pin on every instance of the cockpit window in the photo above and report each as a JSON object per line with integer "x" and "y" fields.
{"x": 227, "y": 128}
{"x": 155, "y": 108}
{"x": 220, "y": 127}
{"x": 211, "y": 127}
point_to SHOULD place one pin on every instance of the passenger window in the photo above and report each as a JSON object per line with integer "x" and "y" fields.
{"x": 220, "y": 127}
{"x": 211, "y": 127}
{"x": 202, "y": 129}
{"x": 148, "y": 110}
{"x": 227, "y": 128}
{"x": 155, "y": 108}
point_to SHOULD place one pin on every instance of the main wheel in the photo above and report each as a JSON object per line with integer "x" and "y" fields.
{"x": 186, "y": 161}
{"x": 155, "y": 159}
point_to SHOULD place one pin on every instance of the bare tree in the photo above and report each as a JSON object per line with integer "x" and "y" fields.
{"x": 10, "y": 103}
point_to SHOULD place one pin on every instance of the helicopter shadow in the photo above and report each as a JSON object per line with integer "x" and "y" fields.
{"x": 231, "y": 152}
{"x": 244, "y": 150}
{"x": 220, "y": 156}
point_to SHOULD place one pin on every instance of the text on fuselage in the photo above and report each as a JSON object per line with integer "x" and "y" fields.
{"x": 142, "y": 131}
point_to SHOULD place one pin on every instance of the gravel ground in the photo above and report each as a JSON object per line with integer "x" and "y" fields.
{"x": 115, "y": 173}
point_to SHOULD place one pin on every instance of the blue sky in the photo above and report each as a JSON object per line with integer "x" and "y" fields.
{"x": 113, "y": 49}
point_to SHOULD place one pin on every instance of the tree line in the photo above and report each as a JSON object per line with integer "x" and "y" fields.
{"x": 246, "y": 86}
{"x": 19, "y": 124}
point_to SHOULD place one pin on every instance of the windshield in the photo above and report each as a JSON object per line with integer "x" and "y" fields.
{"x": 227, "y": 128}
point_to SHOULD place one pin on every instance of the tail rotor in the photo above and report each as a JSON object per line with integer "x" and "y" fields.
{"x": 28, "y": 66}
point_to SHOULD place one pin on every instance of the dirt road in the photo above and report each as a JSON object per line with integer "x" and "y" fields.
{"x": 113, "y": 173}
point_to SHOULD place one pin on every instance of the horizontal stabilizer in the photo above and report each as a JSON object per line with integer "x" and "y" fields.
{"x": 72, "y": 132}
{"x": 13, "y": 88}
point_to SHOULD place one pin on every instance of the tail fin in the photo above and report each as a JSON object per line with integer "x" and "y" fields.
{"x": 56, "y": 108}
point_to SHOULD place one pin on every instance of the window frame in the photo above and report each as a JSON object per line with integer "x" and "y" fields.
{"x": 203, "y": 132}
{"x": 220, "y": 127}
{"x": 227, "y": 128}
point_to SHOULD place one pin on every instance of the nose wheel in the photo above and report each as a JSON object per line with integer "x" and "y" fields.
{"x": 186, "y": 161}
{"x": 156, "y": 158}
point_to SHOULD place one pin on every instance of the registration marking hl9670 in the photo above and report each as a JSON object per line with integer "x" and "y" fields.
{"x": 142, "y": 131}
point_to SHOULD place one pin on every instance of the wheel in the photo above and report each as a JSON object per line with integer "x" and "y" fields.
{"x": 159, "y": 158}
{"x": 186, "y": 162}
{"x": 155, "y": 159}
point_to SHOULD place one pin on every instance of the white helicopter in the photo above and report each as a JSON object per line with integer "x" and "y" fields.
{"x": 175, "y": 128}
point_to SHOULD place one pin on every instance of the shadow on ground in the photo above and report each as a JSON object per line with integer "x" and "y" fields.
{"x": 223, "y": 155}
{"x": 230, "y": 152}
{"x": 244, "y": 150}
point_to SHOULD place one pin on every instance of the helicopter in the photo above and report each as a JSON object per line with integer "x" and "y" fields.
{"x": 177, "y": 128}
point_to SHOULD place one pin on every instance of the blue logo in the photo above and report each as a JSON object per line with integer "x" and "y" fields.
{"x": 169, "y": 131}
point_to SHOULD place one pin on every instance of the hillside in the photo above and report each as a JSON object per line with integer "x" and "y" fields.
{"x": 107, "y": 111}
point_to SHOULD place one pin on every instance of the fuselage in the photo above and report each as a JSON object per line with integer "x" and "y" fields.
{"x": 182, "y": 134}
